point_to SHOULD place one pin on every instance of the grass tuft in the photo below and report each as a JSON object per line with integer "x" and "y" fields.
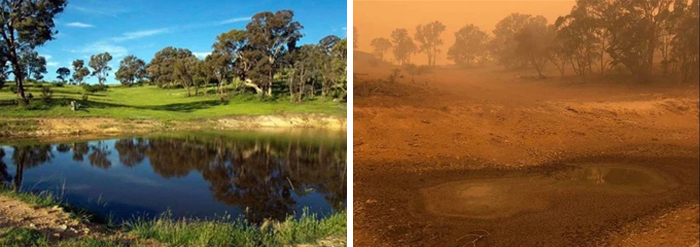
{"x": 224, "y": 232}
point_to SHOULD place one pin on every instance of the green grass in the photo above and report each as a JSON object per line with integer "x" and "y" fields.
{"x": 222, "y": 231}
{"x": 41, "y": 199}
{"x": 308, "y": 228}
{"x": 151, "y": 102}
{"x": 23, "y": 237}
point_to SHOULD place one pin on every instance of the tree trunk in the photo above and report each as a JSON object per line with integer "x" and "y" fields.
{"x": 250, "y": 83}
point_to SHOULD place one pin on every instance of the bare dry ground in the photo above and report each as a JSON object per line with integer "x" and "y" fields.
{"x": 53, "y": 127}
{"x": 453, "y": 125}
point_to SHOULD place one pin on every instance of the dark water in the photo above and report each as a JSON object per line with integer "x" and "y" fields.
{"x": 253, "y": 175}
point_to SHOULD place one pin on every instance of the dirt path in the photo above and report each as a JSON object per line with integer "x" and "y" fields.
{"x": 489, "y": 123}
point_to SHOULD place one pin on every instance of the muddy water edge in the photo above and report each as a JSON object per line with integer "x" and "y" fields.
{"x": 404, "y": 209}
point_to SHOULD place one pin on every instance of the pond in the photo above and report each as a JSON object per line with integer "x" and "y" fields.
{"x": 253, "y": 175}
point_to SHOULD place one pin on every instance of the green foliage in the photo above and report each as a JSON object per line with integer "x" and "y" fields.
{"x": 151, "y": 102}
{"x": 25, "y": 25}
{"x": 161, "y": 69}
{"x": 40, "y": 199}
{"x": 225, "y": 231}
{"x": 131, "y": 70}
{"x": 46, "y": 94}
{"x": 22, "y": 237}
{"x": 100, "y": 66}
{"x": 62, "y": 74}
{"x": 79, "y": 72}
{"x": 94, "y": 88}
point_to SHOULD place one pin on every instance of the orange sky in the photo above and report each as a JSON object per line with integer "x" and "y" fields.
{"x": 378, "y": 18}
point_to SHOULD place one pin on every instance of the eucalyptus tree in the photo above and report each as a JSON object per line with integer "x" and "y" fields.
{"x": 270, "y": 36}
{"x": 229, "y": 59}
{"x": 184, "y": 72}
{"x": 686, "y": 41}
{"x": 79, "y": 72}
{"x": 161, "y": 69}
{"x": 504, "y": 46}
{"x": 329, "y": 70}
{"x": 25, "y": 25}
{"x": 131, "y": 69}
{"x": 403, "y": 46}
{"x": 634, "y": 34}
{"x": 534, "y": 42}
{"x": 428, "y": 37}
{"x": 100, "y": 66}
{"x": 34, "y": 65}
{"x": 62, "y": 74}
{"x": 470, "y": 47}
{"x": 381, "y": 46}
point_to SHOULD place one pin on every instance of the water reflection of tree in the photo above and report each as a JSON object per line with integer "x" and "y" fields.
{"x": 26, "y": 157}
{"x": 98, "y": 157}
{"x": 80, "y": 149}
{"x": 5, "y": 177}
{"x": 259, "y": 175}
{"x": 131, "y": 151}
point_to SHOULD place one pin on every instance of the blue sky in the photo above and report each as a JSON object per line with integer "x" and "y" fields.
{"x": 143, "y": 27}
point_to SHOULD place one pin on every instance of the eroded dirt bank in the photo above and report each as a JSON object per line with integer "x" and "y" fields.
{"x": 70, "y": 127}
{"x": 487, "y": 123}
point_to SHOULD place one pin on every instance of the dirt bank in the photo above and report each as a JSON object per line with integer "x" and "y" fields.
{"x": 456, "y": 125}
{"x": 56, "y": 127}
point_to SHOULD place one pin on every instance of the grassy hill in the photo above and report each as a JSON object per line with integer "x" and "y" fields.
{"x": 150, "y": 102}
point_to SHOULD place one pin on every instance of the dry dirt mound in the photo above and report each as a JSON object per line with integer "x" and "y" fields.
{"x": 53, "y": 221}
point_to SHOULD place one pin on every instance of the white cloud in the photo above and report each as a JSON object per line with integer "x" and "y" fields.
{"x": 79, "y": 25}
{"x": 100, "y": 47}
{"x": 52, "y": 64}
{"x": 233, "y": 20}
{"x": 201, "y": 55}
{"x": 141, "y": 34}
{"x": 48, "y": 57}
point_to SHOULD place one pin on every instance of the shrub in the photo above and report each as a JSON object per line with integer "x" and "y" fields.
{"x": 85, "y": 97}
{"x": 13, "y": 89}
{"x": 95, "y": 88}
{"x": 60, "y": 84}
{"x": 46, "y": 94}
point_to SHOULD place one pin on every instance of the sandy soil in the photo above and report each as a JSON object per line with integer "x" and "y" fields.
{"x": 58, "y": 225}
{"x": 52, "y": 127}
{"x": 453, "y": 125}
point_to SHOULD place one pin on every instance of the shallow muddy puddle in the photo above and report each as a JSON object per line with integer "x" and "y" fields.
{"x": 574, "y": 204}
{"x": 200, "y": 175}
{"x": 532, "y": 193}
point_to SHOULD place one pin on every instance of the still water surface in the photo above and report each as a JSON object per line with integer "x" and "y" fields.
{"x": 253, "y": 175}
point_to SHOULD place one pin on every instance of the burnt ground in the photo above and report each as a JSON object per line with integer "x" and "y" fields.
{"x": 454, "y": 125}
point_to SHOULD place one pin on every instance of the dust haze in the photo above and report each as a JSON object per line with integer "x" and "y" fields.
{"x": 526, "y": 123}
